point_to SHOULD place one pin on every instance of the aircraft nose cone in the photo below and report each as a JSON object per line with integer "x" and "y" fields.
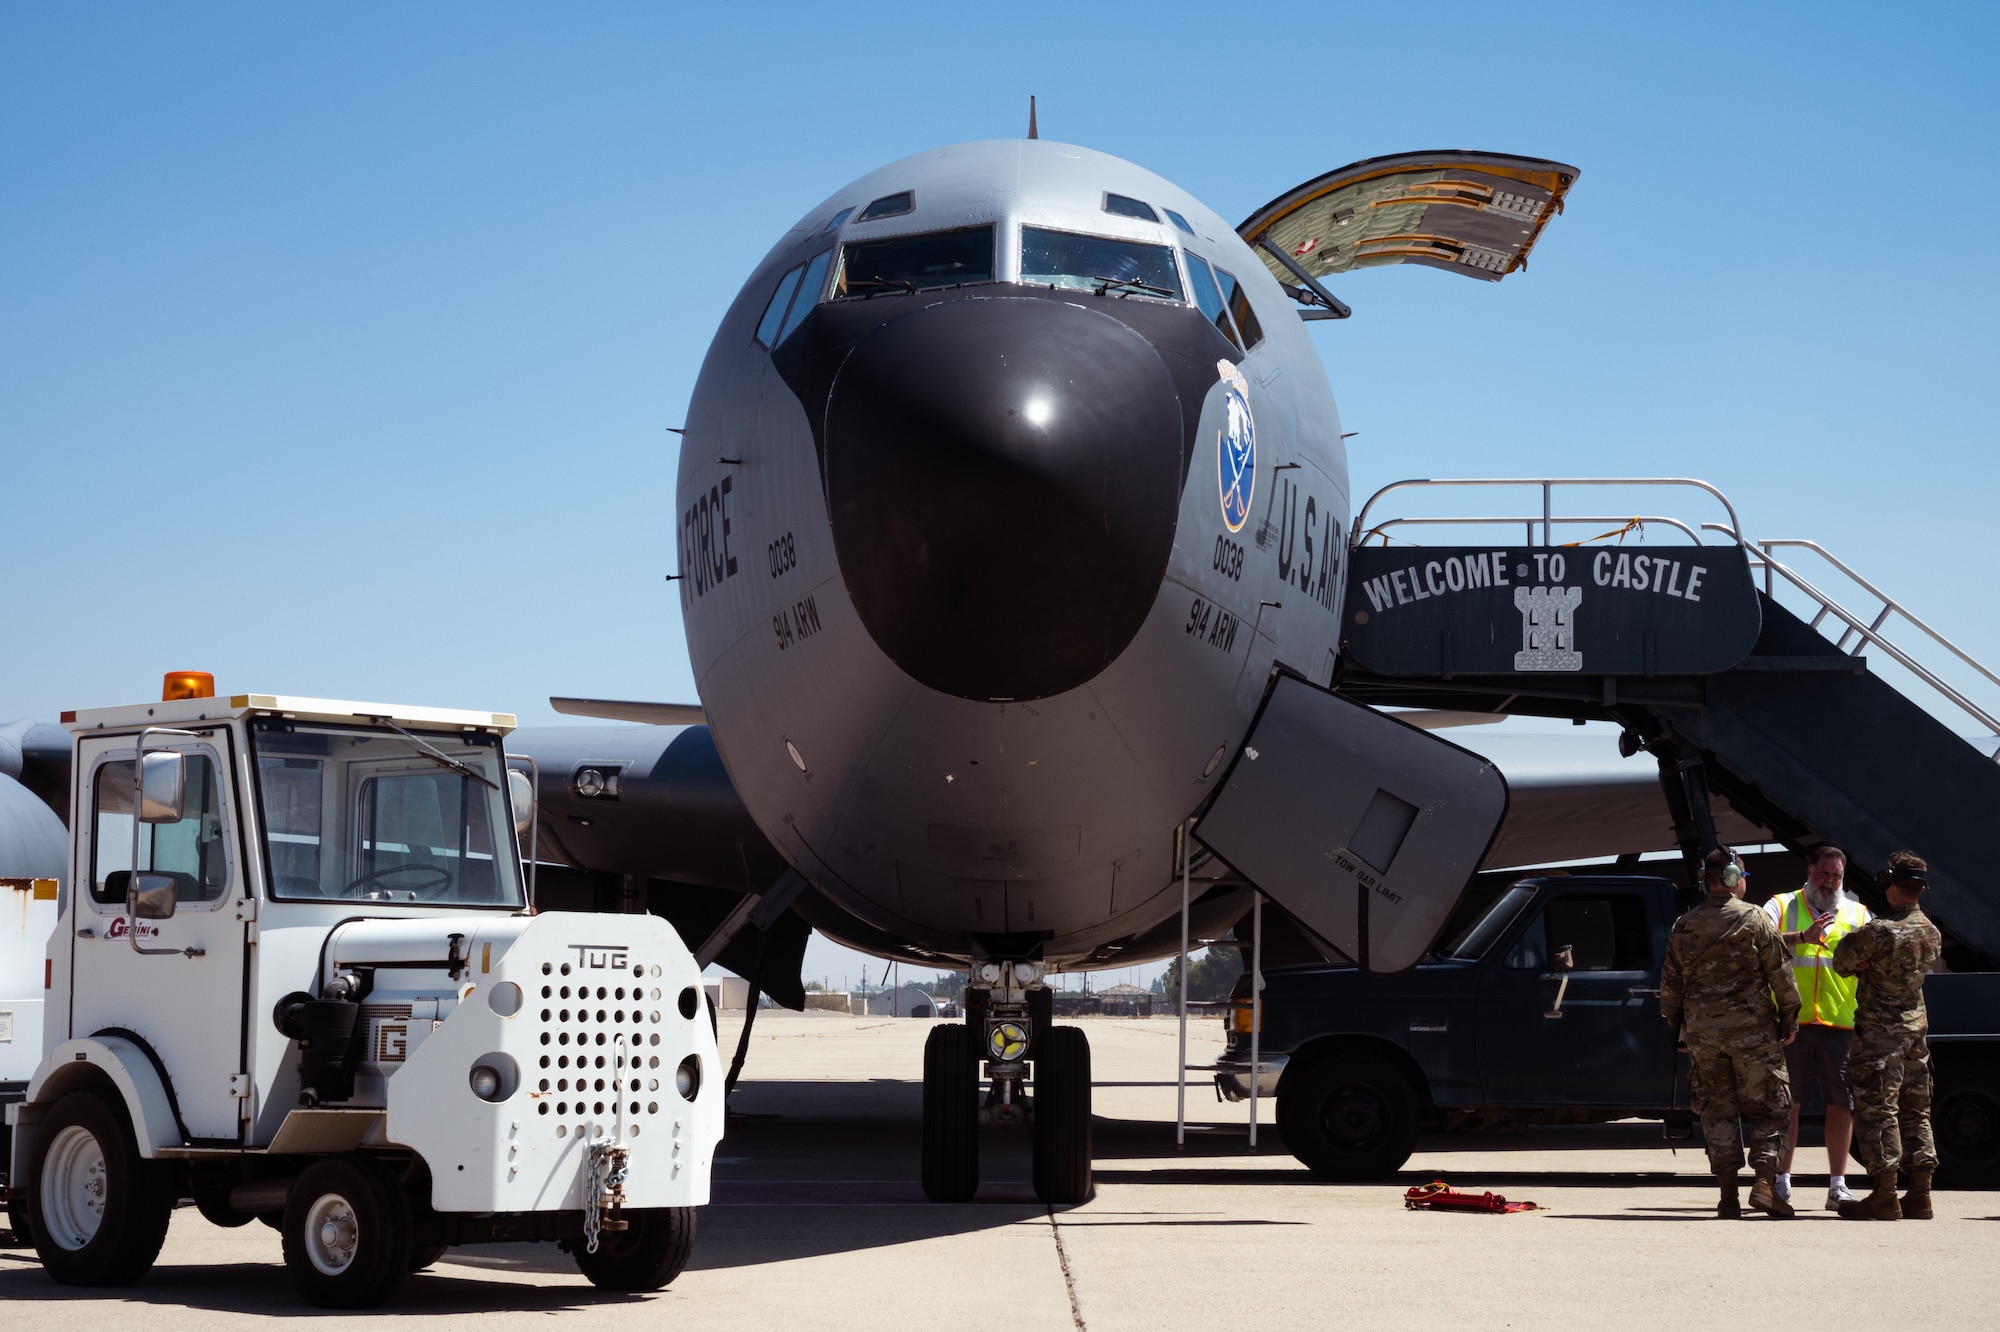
{"x": 1004, "y": 478}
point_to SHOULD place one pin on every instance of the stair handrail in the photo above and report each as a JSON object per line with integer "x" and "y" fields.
{"x": 1869, "y": 631}
{"x": 1475, "y": 520}
{"x": 1361, "y": 531}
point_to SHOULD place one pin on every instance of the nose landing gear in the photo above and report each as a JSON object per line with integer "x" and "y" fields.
{"x": 1008, "y": 1026}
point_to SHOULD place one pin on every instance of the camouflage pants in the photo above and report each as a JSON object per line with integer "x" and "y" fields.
{"x": 1738, "y": 1078}
{"x": 1890, "y": 1074}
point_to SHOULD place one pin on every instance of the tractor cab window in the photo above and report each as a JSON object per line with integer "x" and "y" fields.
{"x": 1099, "y": 263}
{"x": 1603, "y": 931}
{"x": 359, "y": 815}
{"x": 193, "y": 850}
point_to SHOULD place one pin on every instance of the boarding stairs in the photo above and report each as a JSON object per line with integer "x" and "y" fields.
{"x": 1803, "y": 706}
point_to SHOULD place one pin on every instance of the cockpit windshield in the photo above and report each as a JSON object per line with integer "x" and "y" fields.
{"x": 1099, "y": 264}
{"x": 911, "y": 263}
{"x": 359, "y": 814}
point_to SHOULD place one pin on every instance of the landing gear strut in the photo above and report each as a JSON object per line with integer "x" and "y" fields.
{"x": 1008, "y": 1026}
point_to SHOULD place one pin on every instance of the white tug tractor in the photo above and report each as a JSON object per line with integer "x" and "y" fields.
{"x": 295, "y": 978}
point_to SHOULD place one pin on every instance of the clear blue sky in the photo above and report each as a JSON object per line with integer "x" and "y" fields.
{"x": 338, "y": 343}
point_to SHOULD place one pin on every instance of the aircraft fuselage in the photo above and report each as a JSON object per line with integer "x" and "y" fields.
{"x": 987, "y": 556}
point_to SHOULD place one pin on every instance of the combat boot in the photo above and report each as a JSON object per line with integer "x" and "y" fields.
{"x": 1764, "y": 1197}
{"x": 1916, "y": 1203}
{"x": 1880, "y": 1205}
{"x": 1729, "y": 1206}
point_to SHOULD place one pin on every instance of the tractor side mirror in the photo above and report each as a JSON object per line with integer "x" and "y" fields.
{"x": 151, "y": 896}
{"x": 162, "y": 787}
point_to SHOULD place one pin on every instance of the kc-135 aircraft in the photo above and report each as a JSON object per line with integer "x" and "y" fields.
{"x": 1012, "y": 520}
{"x": 1012, "y": 496}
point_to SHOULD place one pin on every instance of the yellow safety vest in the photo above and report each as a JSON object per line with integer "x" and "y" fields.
{"x": 1825, "y": 996}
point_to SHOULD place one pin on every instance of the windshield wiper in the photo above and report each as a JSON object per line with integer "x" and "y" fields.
{"x": 433, "y": 753}
{"x": 910, "y": 287}
{"x": 1105, "y": 284}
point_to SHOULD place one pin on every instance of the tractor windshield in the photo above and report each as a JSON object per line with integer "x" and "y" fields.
{"x": 361, "y": 814}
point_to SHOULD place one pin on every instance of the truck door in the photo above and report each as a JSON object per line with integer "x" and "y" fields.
{"x": 1606, "y": 1046}
{"x": 188, "y": 1008}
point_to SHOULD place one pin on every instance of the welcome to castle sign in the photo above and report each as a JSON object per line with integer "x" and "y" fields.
{"x": 1580, "y": 610}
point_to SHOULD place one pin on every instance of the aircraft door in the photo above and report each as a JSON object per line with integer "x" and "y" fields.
{"x": 185, "y": 1001}
{"x": 1364, "y": 828}
{"x": 1603, "y": 1043}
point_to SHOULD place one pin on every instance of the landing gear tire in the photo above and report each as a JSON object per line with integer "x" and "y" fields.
{"x": 347, "y": 1233}
{"x": 1062, "y": 1117}
{"x": 651, "y": 1251}
{"x": 1349, "y": 1117}
{"x": 951, "y": 1115}
{"x": 98, "y": 1211}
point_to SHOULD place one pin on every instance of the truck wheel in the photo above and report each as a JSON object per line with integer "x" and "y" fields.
{"x": 1966, "y": 1120}
{"x": 1349, "y": 1117}
{"x": 346, "y": 1233}
{"x": 1062, "y": 1117}
{"x": 98, "y": 1210}
{"x": 950, "y": 1167}
{"x": 650, "y": 1252}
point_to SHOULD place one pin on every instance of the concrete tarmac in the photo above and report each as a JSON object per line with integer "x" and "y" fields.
{"x": 818, "y": 1224}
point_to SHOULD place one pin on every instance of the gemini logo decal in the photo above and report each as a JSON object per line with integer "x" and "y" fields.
{"x": 1235, "y": 449}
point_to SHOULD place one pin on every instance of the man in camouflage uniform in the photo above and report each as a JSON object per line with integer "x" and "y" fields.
{"x": 1727, "y": 989}
{"x": 1889, "y": 1067}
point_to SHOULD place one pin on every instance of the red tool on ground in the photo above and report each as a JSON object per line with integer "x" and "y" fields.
{"x": 1439, "y": 1197}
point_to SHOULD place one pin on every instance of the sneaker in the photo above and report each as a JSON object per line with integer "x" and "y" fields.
{"x": 1837, "y": 1194}
{"x": 1784, "y": 1188}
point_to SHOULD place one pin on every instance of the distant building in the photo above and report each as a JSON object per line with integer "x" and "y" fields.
{"x": 1125, "y": 1001}
{"x": 827, "y": 1001}
{"x": 903, "y": 1001}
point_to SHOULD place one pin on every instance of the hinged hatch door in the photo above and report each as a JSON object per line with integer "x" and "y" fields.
{"x": 1365, "y": 828}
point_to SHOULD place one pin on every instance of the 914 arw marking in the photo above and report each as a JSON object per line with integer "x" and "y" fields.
{"x": 796, "y": 621}
{"x": 1211, "y": 624}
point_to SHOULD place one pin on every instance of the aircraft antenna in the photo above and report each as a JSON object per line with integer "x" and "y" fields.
{"x": 1032, "y": 133}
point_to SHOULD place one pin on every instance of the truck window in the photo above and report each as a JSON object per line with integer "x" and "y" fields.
{"x": 1473, "y": 941}
{"x": 354, "y": 815}
{"x": 193, "y": 850}
{"x": 1603, "y": 931}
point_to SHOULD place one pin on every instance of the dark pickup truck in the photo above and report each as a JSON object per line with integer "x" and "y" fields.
{"x": 1493, "y": 1028}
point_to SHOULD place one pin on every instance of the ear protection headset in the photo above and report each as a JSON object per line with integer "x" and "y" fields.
{"x": 1732, "y": 874}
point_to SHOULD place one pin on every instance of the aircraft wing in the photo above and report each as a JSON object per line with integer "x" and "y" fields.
{"x": 1574, "y": 797}
{"x": 1472, "y": 213}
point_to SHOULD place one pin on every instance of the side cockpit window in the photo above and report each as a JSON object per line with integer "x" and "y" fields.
{"x": 839, "y": 218}
{"x": 798, "y": 291}
{"x": 774, "y": 313}
{"x": 1179, "y": 221}
{"x": 912, "y": 263}
{"x": 1099, "y": 263}
{"x": 1208, "y": 296}
{"x": 1239, "y": 309}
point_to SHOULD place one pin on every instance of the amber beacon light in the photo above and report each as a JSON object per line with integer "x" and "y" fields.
{"x": 187, "y": 684}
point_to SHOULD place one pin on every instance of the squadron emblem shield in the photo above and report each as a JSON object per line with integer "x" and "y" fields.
{"x": 1235, "y": 449}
